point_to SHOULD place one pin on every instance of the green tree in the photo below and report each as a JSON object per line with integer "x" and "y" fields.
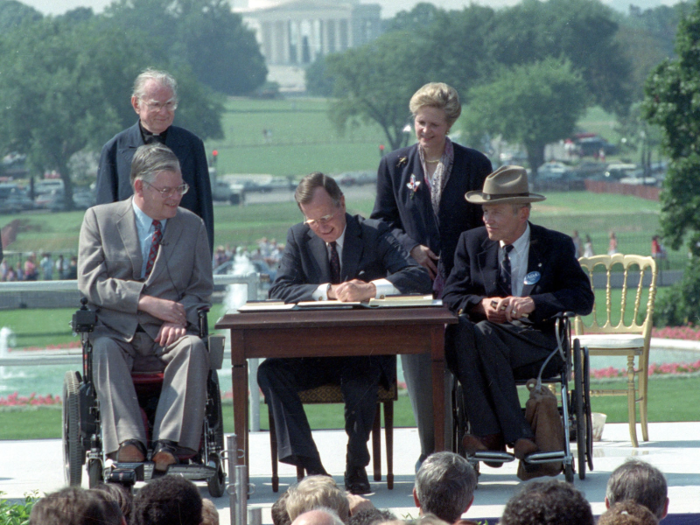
{"x": 532, "y": 104}
{"x": 673, "y": 102}
{"x": 204, "y": 34}
{"x": 14, "y": 13}
{"x": 66, "y": 87}
{"x": 582, "y": 31}
{"x": 376, "y": 81}
{"x": 318, "y": 82}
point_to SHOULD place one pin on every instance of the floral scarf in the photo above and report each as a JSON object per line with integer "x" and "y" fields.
{"x": 441, "y": 175}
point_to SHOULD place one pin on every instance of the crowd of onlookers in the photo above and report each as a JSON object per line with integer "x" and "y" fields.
{"x": 269, "y": 251}
{"x": 44, "y": 269}
{"x": 637, "y": 494}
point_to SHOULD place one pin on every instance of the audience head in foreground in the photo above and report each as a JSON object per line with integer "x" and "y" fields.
{"x": 76, "y": 506}
{"x": 445, "y": 486}
{"x": 640, "y": 482}
{"x": 314, "y": 492}
{"x": 628, "y": 513}
{"x": 550, "y": 502}
{"x": 166, "y": 501}
{"x": 319, "y": 516}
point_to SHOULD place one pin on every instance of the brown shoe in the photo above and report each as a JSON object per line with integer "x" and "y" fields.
{"x": 164, "y": 455}
{"x": 131, "y": 451}
{"x": 473, "y": 444}
{"x": 524, "y": 447}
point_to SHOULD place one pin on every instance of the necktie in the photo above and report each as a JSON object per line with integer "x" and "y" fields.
{"x": 335, "y": 264}
{"x": 155, "y": 244}
{"x": 505, "y": 277}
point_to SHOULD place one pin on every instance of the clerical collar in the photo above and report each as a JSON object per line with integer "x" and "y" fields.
{"x": 151, "y": 138}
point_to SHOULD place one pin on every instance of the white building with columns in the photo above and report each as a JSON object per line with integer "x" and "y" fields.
{"x": 296, "y": 32}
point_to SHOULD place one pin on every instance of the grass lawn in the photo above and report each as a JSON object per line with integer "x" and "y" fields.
{"x": 663, "y": 406}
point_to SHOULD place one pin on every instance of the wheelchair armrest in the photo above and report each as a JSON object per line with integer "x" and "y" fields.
{"x": 216, "y": 351}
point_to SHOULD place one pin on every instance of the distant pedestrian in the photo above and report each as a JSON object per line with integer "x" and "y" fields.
{"x": 30, "y": 273}
{"x": 588, "y": 247}
{"x": 47, "y": 266}
{"x": 612, "y": 244}
{"x": 577, "y": 244}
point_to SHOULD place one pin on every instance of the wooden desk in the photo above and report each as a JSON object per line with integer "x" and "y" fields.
{"x": 314, "y": 333}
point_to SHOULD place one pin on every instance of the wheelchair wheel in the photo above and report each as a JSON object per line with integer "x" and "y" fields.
{"x": 587, "y": 406}
{"x": 95, "y": 473}
{"x": 215, "y": 414}
{"x": 569, "y": 473}
{"x": 217, "y": 483}
{"x": 582, "y": 428}
{"x": 461, "y": 424}
{"x": 73, "y": 453}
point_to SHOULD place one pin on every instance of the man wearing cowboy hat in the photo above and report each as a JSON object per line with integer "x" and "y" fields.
{"x": 509, "y": 279}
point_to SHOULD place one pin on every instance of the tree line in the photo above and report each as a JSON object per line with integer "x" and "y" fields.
{"x": 65, "y": 81}
{"x": 526, "y": 73}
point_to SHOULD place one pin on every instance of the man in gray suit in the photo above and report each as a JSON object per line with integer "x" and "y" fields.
{"x": 333, "y": 255}
{"x": 145, "y": 266}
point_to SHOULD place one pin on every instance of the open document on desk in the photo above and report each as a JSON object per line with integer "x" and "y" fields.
{"x": 392, "y": 301}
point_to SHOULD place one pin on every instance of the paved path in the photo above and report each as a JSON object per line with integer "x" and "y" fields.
{"x": 26, "y": 466}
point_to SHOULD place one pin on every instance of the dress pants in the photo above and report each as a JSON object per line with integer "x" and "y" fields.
{"x": 419, "y": 382}
{"x": 282, "y": 379}
{"x": 487, "y": 358}
{"x": 181, "y": 407}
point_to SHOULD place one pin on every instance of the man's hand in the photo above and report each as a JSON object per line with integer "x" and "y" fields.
{"x": 426, "y": 258}
{"x": 507, "y": 309}
{"x": 169, "y": 333}
{"x": 354, "y": 290}
{"x": 164, "y": 309}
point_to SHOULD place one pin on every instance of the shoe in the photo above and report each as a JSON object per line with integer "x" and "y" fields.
{"x": 164, "y": 454}
{"x": 492, "y": 442}
{"x": 524, "y": 447}
{"x": 356, "y": 481}
{"x": 313, "y": 466}
{"x": 131, "y": 451}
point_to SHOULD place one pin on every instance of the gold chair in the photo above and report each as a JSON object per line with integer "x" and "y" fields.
{"x": 621, "y": 330}
{"x": 326, "y": 394}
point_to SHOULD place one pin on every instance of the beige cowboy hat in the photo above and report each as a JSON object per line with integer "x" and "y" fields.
{"x": 506, "y": 185}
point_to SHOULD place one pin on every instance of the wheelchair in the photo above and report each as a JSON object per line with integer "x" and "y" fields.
{"x": 574, "y": 408}
{"x": 82, "y": 438}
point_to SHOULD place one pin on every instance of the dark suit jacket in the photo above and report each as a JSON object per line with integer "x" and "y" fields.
{"x": 113, "y": 176}
{"x": 369, "y": 252}
{"x": 412, "y": 219}
{"x": 562, "y": 286}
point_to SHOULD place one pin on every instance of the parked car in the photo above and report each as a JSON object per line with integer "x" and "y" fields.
{"x": 18, "y": 201}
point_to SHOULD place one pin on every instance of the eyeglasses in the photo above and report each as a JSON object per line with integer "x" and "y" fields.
{"x": 314, "y": 223}
{"x": 170, "y": 105}
{"x": 167, "y": 192}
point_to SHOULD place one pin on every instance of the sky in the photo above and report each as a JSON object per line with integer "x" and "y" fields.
{"x": 389, "y": 7}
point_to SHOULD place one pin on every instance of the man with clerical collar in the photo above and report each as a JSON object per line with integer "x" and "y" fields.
{"x": 154, "y": 100}
{"x": 509, "y": 280}
{"x": 333, "y": 255}
{"x": 145, "y": 267}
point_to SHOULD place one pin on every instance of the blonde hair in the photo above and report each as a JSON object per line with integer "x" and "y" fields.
{"x": 437, "y": 95}
{"x": 314, "y": 492}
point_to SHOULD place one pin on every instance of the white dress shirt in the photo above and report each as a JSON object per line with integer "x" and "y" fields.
{"x": 383, "y": 286}
{"x": 518, "y": 261}
{"x": 145, "y": 231}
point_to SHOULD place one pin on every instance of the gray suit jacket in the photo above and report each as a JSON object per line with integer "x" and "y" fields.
{"x": 109, "y": 268}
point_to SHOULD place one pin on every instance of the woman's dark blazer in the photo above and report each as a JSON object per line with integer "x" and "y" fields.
{"x": 410, "y": 215}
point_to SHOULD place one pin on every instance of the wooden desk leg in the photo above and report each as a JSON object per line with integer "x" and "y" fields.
{"x": 438, "y": 370}
{"x": 239, "y": 378}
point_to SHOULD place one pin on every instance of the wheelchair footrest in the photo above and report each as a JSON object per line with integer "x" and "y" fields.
{"x": 545, "y": 457}
{"x": 145, "y": 471}
{"x": 492, "y": 456}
